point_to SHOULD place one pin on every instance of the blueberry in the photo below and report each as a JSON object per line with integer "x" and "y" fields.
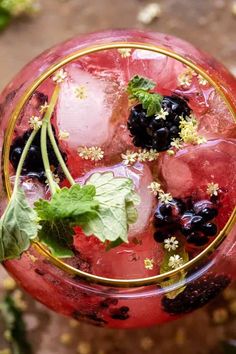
{"x": 159, "y": 236}
{"x": 197, "y": 240}
{"x": 209, "y": 229}
{"x": 208, "y": 213}
{"x": 196, "y": 222}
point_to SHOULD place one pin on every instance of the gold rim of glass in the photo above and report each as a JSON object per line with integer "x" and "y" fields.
{"x": 125, "y": 283}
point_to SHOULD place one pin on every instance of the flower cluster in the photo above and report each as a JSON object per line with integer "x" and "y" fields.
{"x": 142, "y": 155}
{"x": 92, "y": 153}
{"x": 35, "y": 123}
{"x": 188, "y": 131}
{"x": 186, "y": 77}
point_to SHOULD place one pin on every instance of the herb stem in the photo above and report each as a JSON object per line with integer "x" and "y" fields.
{"x": 46, "y": 120}
{"x": 58, "y": 155}
{"x": 23, "y": 157}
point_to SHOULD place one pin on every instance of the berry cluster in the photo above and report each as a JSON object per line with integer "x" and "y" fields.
{"x": 193, "y": 220}
{"x": 196, "y": 294}
{"x": 155, "y": 132}
{"x": 33, "y": 165}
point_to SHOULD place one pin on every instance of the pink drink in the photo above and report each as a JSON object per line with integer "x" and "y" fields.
{"x": 91, "y": 114}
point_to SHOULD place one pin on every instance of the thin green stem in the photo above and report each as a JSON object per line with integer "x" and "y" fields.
{"x": 52, "y": 184}
{"x": 23, "y": 157}
{"x": 46, "y": 120}
{"x": 58, "y": 155}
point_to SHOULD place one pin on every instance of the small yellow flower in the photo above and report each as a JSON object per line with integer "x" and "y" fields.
{"x": 81, "y": 92}
{"x": 162, "y": 114}
{"x": 213, "y": 189}
{"x": 155, "y": 188}
{"x": 93, "y": 153}
{"x": 176, "y": 143}
{"x": 175, "y": 261}
{"x": 202, "y": 81}
{"x": 171, "y": 244}
{"x": 148, "y": 263}
{"x": 63, "y": 135}
{"x": 129, "y": 158}
{"x": 124, "y": 52}
{"x": 185, "y": 78}
{"x": 165, "y": 198}
{"x": 84, "y": 348}
{"x": 60, "y": 76}
{"x": 43, "y": 108}
{"x": 147, "y": 155}
{"x": 35, "y": 123}
{"x": 170, "y": 152}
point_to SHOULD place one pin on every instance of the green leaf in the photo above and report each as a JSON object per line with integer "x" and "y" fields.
{"x": 150, "y": 101}
{"x": 18, "y": 225}
{"x": 57, "y": 236}
{"x": 67, "y": 207}
{"x": 140, "y": 83}
{"x": 15, "y": 324}
{"x": 67, "y": 203}
{"x": 116, "y": 210}
{"x": 164, "y": 268}
{"x": 138, "y": 88}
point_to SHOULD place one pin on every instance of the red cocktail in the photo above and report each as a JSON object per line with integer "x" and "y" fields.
{"x": 119, "y": 163}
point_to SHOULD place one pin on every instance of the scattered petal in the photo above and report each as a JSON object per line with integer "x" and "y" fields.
{"x": 149, "y": 13}
{"x": 63, "y": 135}
{"x": 162, "y": 114}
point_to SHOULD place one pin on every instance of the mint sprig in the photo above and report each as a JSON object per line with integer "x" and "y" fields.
{"x": 179, "y": 278}
{"x": 138, "y": 88}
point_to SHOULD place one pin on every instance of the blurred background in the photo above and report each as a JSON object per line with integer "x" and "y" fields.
{"x": 27, "y": 28}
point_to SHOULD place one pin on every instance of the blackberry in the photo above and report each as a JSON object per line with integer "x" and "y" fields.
{"x": 91, "y": 317}
{"x": 150, "y": 132}
{"x": 194, "y": 223}
{"x": 196, "y": 294}
{"x": 33, "y": 165}
{"x": 120, "y": 313}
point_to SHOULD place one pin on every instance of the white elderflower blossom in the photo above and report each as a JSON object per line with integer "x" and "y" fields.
{"x": 171, "y": 244}
{"x": 175, "y": 261}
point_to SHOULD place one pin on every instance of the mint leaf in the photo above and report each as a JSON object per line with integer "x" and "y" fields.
{"x": 57, "y": 236}
{"x": 140, "y": 83}
{"x": 164, "y": 268}
{"x": 116, "y": 210}
{"x": 67, "y": 207}
{"x": 18, "y": 225}
{"x": 67, "y": 203}
{"x": 5, "y": 18}
{"x": 138, "y": 88}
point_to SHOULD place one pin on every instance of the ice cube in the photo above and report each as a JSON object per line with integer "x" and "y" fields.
{"x": 194, "y": 167}
{"x": 85, "y": 107}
